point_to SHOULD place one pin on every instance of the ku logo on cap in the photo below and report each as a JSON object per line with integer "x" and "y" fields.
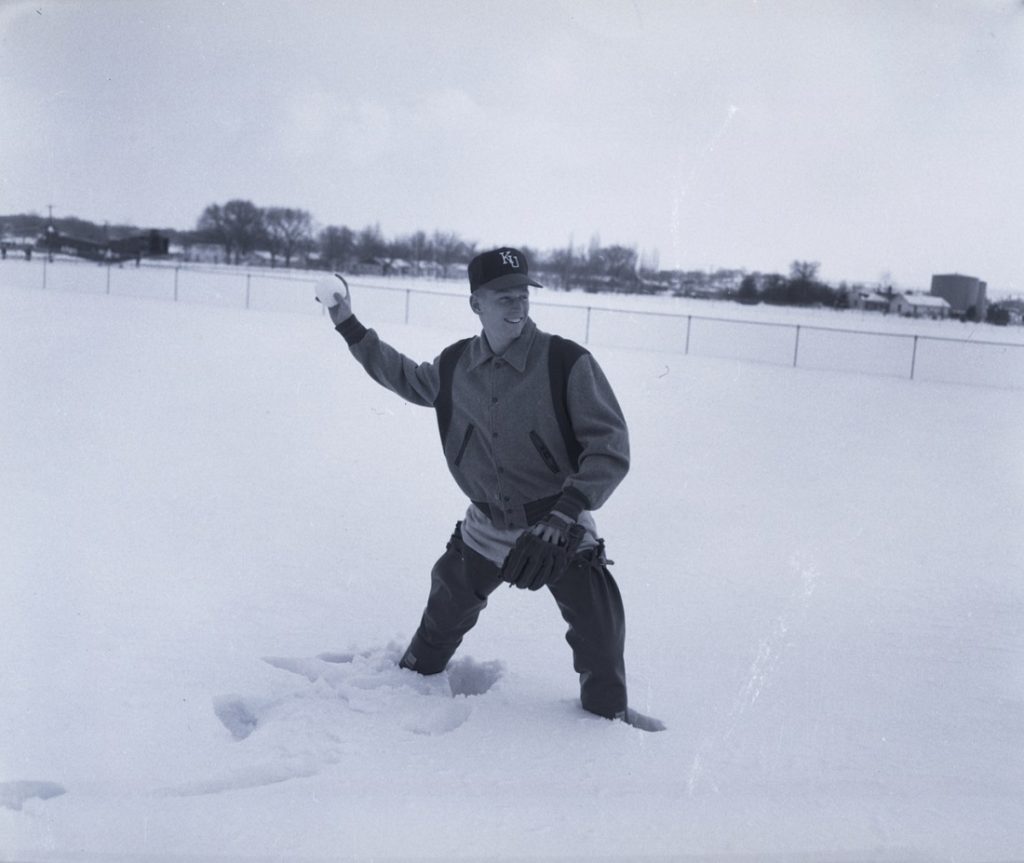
{"x": 509, "y": 259}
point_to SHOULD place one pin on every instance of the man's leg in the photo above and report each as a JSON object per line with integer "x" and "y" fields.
{"x": 590, "y": 603}
{"x": 460, "y": 583}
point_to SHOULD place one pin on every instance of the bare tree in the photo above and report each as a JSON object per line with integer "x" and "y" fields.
{"x": 371, "y": 243}
{"x": 804, "y": 271}
{"x": 245, "y": 226}
{"x": 288, "y": 232}
{"x": 419, "y": 245}
{"x": 450, "y": 248}
{"x": 620, "y": 262}
{"x": 561, "y": 262}
{"x": 213, "y": 228}
{"x": 804, "y": 289}
{"x": 411, "y": 247}
{"x": 238, "y": 226}
{"x": 338, "y": 246}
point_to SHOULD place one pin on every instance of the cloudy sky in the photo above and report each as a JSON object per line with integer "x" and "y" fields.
{"x": 879, "y": 137}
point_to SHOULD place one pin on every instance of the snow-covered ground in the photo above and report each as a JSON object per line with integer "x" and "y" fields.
{"x": 216, "y": 533}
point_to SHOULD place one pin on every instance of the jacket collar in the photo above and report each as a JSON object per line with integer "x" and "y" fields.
{"x": 516, "y": 355}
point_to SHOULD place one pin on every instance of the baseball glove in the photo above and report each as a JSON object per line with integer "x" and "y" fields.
{"x": 533, "y": 562}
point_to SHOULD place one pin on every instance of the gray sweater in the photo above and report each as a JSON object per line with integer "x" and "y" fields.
{"x": 504, "y": 445}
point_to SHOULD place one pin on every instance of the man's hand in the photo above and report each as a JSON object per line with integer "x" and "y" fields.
{"x": 552, "y": 528}
{"x": 333, "y": 292}
{"x": 533, "y": 562}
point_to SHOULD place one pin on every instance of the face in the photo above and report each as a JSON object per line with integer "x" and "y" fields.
{"x": 503, "y": 313}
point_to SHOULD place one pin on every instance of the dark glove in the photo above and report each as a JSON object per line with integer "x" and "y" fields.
{"x": 533, "y": 562}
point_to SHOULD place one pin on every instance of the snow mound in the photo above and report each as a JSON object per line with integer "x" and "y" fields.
{"x": 332, "y": 703}
{"x": 370, "y": 682}
{"x": 13, "y": 795}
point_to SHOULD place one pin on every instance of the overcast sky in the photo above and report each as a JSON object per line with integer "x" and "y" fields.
{"x": 875, "y": 137}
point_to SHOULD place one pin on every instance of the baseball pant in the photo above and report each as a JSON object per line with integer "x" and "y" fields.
{"x": 587, "y": 598}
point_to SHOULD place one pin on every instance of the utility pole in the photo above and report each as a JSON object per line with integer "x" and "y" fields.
{"x": 50, "y": 232}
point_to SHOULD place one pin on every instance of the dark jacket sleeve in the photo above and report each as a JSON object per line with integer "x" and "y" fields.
{"x": 417, "y": 383}
{"x": 600, "y": 427}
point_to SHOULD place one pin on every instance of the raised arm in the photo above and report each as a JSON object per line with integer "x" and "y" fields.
{"x": 415, "y": 382}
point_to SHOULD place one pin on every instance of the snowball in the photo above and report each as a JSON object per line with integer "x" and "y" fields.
{"x": 326, "y": 289}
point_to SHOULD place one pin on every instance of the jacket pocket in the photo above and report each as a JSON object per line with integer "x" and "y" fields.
{"x": 464, "y": 444}
{"x": 545, "y": 453}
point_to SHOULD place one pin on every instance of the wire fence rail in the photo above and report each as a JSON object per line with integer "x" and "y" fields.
{"x": 913, "y": 356}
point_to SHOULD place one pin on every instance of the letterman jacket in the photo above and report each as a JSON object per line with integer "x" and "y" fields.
{"x": 503, "y": 442}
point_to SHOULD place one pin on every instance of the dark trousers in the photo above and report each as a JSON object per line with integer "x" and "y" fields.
{"x": 587, "y": 597}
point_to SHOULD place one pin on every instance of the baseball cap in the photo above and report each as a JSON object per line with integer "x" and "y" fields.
{"x": 500, "y": 268}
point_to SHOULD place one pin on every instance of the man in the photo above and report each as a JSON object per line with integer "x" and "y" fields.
{"x": 535, "y": 438}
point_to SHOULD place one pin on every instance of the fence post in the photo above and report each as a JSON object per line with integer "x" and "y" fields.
{"x": 108, "y": 280}
{"x": 44, "y": 274}
{"x": 176, "y": 283}
{"x": 586, "y": 335}
{"x": 408, "y": 296}
{"x": 248, "y": 288}
{"x": 796, "y": 346}
{"x": 913, "y": 359}
{"x": 689, "y": 322}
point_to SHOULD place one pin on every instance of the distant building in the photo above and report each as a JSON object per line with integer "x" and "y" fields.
{"x": 12, "y": 244}
{"x": 870, "y": 301}
{"x": 920, "y": 306}
{"x": 382, "y": 266}
{"x": 1015, "y": 309}
{"x": 203, "y": 253}
{"x": 725, "y": 281}
{"x": 430, "y": 269}
{"x": 963, "y": 293}
{"x": 398, "y": 267}
{"x": 369, "y": 267}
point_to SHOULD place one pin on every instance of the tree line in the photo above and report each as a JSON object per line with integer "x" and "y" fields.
{"x": 241, "y": 228}
{"x": 291, "y": 236}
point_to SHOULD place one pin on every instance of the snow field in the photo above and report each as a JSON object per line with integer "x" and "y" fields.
{"x": 217, "y": 534}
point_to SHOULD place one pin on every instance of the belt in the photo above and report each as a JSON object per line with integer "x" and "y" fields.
{"x": 534, "y": 511}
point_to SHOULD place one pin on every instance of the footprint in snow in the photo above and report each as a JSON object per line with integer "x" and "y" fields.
{"x": 326, "y": 705}
{"x": 14, "y": 795}
{"x": 367, "y": 682}
{"x": 237, "y": 714}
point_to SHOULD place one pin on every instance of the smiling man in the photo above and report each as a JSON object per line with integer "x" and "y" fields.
{"x": 535, "y": 438}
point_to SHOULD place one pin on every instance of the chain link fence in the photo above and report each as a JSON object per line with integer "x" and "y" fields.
{"x": 914, "y": 356}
